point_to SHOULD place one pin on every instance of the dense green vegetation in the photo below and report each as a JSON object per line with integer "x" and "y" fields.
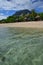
{"x": 23, "y": 16}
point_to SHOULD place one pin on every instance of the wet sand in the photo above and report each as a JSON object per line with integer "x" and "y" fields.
{"x": 35, "y": 24}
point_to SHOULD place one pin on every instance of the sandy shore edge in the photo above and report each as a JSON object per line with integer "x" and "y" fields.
{"x": 32, "y": 24}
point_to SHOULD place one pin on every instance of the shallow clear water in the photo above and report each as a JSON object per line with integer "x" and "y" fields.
{"x": 21, "y": 46}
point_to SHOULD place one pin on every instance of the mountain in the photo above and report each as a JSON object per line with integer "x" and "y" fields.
{"x": 20, "y": 12}
{"x": 23, "y": 15}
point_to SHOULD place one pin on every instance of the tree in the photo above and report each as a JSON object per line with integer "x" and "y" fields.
{"x": 32, "y": 15}
{"x": 41, "y": 16}
{"x": 21, "y": 18}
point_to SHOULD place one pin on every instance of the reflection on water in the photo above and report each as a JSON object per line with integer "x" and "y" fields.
{"x": 21, "y": 46}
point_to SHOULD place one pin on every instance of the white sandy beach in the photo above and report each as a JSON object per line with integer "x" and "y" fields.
{"x": 35, "y": 24}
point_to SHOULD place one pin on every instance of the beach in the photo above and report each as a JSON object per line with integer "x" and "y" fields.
{"x": 32, "y": 24}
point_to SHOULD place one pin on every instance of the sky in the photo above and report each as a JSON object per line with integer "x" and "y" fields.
{"x": 9, "y": 7}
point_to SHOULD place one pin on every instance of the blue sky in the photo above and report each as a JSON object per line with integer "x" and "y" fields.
{"x": 8, "y": 7}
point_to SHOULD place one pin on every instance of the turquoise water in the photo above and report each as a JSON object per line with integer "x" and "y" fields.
{"x": 21, "y": 46}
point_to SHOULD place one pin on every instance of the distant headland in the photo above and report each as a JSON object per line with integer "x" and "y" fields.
{"x": 22, "y": 16}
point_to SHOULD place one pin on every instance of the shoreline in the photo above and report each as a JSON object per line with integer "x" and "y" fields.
{"x": 32, "y": 24}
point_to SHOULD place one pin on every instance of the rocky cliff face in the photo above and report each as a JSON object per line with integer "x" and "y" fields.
{"x": 20, "y": 12}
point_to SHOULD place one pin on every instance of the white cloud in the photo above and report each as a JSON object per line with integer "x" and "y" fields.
{"x": 13, "y": 4}
{"x": 18, "y": 4}
{"x": 6, "y": 5}
{"x": 37, "y": 4}
{"x": 2, "y": 17}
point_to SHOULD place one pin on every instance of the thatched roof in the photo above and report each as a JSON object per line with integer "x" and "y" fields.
{"x": 37, "y": 16}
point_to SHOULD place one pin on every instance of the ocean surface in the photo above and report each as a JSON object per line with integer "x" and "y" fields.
{"x": 21, "y": 46}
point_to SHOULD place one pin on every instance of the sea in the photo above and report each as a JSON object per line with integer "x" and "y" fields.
{"x": 21, "y": 46}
